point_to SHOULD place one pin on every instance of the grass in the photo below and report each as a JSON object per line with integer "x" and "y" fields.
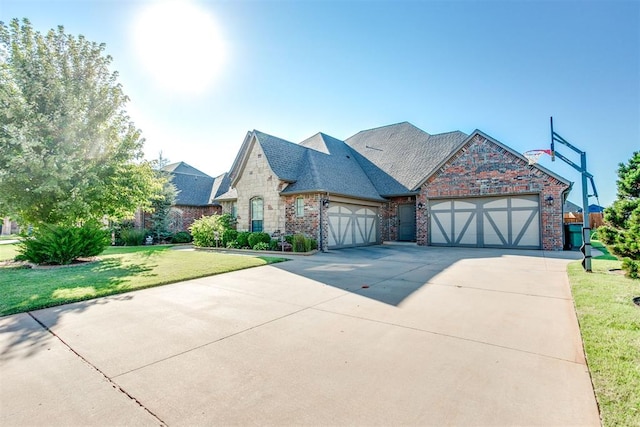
{"x": 610, "y": 327}
{"x": 120, "y": 269}
{"x": 8, "y": 252}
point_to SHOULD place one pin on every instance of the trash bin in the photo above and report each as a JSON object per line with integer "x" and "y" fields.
{"x": 574, "y": 236}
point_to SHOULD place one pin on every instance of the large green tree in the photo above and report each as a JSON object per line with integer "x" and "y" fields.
{"x": 622, "y": 219}
{"x": 68, "y": 150}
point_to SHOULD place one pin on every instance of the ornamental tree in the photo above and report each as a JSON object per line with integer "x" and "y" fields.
{"x": 68, "y": 150}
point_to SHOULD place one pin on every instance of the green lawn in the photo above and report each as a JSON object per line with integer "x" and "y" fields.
{"x": 8, "y": 252}
{"x": 121, "y": 269}
{"x": 610, "y": 327}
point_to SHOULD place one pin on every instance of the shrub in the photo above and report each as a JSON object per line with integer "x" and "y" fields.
{"x": 132, "y": 236}
{"x": 117, "y": 228}
{"x": 299, "y": 243}
{"x": 258, "y": 237}
{"x": 181, "y": 237}
{"x": 274, "y": 244}
{"x": 233, "y": 244}
{"x": 314, "y": 244}
{"x": 55, "y": 244}
{"x": 204, "y": 229}
{"x": 243, "y": 239}
{"x": 261, "y": 246}
{"x": 229, "y": 236}
{"x": 631, "y": 267}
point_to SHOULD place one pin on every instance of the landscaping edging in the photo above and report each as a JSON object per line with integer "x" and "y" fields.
{"x": 252, "y": 252}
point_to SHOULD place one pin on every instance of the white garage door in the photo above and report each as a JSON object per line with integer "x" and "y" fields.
{"x": 504, "y": 222}
{"x": 352, "y": 225}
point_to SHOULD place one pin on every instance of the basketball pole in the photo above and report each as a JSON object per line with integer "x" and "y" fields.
{"x": 586, "y": 229}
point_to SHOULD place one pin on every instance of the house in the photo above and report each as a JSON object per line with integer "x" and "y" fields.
{"x": 396, "y": 183}
{"x": 8, "y": 227}
{"x": 570, "y": 207}
{"x": 196, "y": 191}
{"x": 593, "y": 208}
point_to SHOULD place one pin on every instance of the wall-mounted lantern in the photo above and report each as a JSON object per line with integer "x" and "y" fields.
{"x": 549, "y": 200}
{"x": 420, "y": 205}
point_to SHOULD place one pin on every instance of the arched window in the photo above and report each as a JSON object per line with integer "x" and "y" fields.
{"x": 257, "y": 214}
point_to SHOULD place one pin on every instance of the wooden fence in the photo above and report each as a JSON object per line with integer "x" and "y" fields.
{"x": 595, "y": 219}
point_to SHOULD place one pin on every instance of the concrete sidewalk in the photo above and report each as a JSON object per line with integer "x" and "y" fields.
{"x": 385, "y": 335}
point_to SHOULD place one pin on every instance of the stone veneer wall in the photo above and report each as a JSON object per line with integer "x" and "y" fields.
{"x": 389, "y": 217}
{"x": 482, "y": 168}
{"x": 258, "y": 180}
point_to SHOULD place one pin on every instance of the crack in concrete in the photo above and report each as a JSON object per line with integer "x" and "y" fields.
{"x": 413, "y": 328}
{"x": 477, "y": 288}
{"x": 113, "y": 384}
{"x": 209, "y": 343}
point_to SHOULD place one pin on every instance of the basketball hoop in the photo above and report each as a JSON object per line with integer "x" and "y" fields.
{"x": 534, "y": 155}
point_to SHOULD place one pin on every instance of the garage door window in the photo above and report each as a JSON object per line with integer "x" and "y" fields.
{"x": 257, "y": 214}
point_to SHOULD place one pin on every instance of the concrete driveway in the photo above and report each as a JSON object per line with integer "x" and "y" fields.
{"x": 385, "y": 335}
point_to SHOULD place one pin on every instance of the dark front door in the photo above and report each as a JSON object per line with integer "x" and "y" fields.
{"x": 407, "y": 222}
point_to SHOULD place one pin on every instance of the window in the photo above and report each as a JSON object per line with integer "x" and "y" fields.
{"x": 234, "y": 210}
{"x": 299, "y": 207}
{"x": 257, "y": 214}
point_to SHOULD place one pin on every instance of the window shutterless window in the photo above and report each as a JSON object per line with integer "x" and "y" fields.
{"x": 300, "y": 207}
{"x": 257, "y": 214}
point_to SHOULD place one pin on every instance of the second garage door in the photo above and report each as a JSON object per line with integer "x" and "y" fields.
{"x": 352, "y": 225}
{"x": 504, "y": 222}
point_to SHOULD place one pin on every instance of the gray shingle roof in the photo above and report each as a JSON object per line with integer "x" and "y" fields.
{"x": 392, "y": 160}
{"x": 398, "y": 157}
{"x": 182, "y": 167}
{"x": 283, "y": 156}
{"x": 221, "y": 185}
{"x": 194, "y": 186}
{"x": 330, "y": 166}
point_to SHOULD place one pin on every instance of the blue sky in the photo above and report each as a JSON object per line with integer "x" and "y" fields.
{"x": 294, "y": 68}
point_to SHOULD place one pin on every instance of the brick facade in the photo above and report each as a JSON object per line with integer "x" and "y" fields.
{"x": 389, "y": 217}
{"x": 483, "y": 168}
{"x": 188, "y": 214}
{"x": 307, "y": 224}
{"x": 181, "y": 216}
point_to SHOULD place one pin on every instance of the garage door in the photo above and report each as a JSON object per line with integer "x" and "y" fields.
{"x": 501, "y": 222}
{"x": 352, "y": 225}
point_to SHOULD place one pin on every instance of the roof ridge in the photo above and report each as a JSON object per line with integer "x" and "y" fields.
{"x": 448, "y": 132}
{"x": 256, "y": 132}
{"x": 385, "y": 126}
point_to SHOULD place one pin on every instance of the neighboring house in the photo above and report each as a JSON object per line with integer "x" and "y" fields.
{"x": 196, "y": 191}
{"x": 570, "y": 207}
{"x": 396, "y": 183}
{"x": 8, "y": 226}
{"x": 596, "y": 209}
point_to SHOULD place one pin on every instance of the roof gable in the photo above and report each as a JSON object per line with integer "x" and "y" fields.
{"x": 471, "y": 138}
